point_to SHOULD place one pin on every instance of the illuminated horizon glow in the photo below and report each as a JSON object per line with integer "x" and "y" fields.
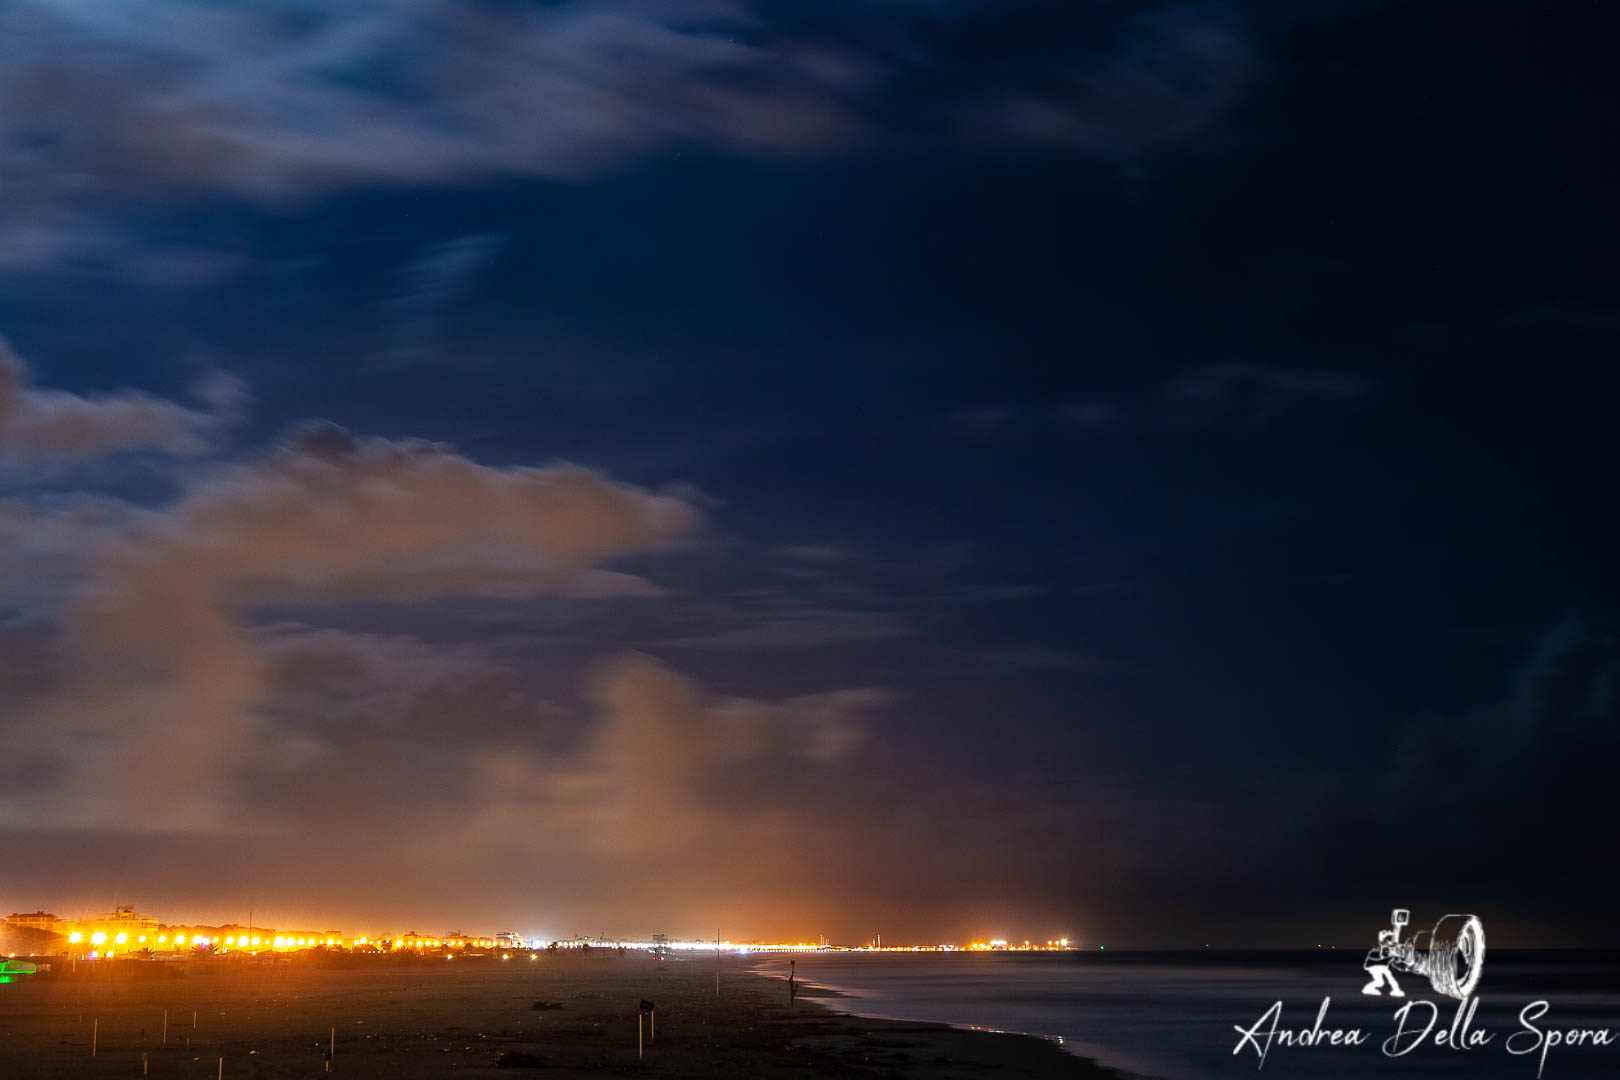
{"x": 507, "y": 941}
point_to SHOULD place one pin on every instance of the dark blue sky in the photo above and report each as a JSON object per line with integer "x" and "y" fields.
{"x": 1132, "y": 449}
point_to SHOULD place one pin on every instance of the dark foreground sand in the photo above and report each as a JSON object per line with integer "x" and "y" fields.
{"x": 419, "y": 1019}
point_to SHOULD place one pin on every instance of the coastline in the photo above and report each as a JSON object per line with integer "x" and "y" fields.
{"x": 1035, "y": 1054}
{"x": 927, "y": 1048}
{"x": 569, "y": 1015}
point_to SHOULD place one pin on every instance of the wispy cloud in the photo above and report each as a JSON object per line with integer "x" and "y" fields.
{"x": 280, "y": 103}
{"x": 1255, "y": 394}
{"x": 40, "y": 422}
{"x": 1238, "y": 397}
{"x": 431, "y": 286}
{"x": 1154, "y": 78}
{"x": 1580, "y": 318}
{"x": 804, "y": 628}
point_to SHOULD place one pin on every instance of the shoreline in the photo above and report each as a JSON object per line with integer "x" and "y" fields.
{"x": 419, "y": 1019}
{"x": 1032, "y": 1054}
{"x": 821, "y": 997}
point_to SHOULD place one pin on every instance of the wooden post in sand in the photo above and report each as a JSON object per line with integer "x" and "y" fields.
{"x": 95, "y": 1026}
{"x": 638, "y": 1036}
{"x": 165, "y": 1027}
{"x": 143, "y": 1064}
{"x": 220, "y": 1075}
{"x": 793, "y": 967}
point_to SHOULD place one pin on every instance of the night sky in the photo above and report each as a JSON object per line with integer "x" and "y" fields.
{"x": 1129, "y": 471}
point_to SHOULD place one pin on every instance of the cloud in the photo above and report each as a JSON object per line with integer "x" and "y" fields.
{"x": 1233, "y": 397}
{"x": 826, "y": 554}
{"x": 1547, "y": 744}
{"x": 1032, "y": 657}
{"x": 1494, "y": 807}
{"x": 279, "y": 103}
{"x": 266, "y": 100}
{"x": 166, "y": 678}
{"x": 674, "y": 765}
{"x": 331, "y": 516}
{"x": 800, "y": 628}
{"x": 414, "y": 712}
{"x": 652, "y": 760}
{"x": 1267, "y": 389}
{"x": 432, "y": 285}
{"x": 1162, "y": 75}
{"x": 65, "y": 237}
{"x": 980, "y": 422}
{"x": 1089, "y": 414}
{"x": 46, "y": 549}
{"x": 446, "y": 270}
{"x": 654, "y": 715}
{"x": 1577, "y": 318}
{"x": 45, "y": 423}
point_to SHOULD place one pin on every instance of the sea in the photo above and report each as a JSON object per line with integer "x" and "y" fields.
{"x": 1200, "y": 1015}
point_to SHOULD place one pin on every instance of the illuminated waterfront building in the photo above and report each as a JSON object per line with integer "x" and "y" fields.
{"x": 34, "y": 920}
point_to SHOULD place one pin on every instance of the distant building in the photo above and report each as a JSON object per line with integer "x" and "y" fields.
{"x": 35, "y": 920}
{"x": 124, "y": 917}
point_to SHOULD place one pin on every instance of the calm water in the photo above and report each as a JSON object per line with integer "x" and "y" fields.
{"x": 1172, "y": 1015}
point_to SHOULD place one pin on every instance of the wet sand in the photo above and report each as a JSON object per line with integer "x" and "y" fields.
{"x": 436, "y": 1018}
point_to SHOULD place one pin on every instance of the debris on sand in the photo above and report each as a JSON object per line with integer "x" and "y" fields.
{"x": 546, "y": 1006}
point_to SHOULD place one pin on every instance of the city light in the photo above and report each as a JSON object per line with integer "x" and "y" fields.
{"x": 112, "y": 934}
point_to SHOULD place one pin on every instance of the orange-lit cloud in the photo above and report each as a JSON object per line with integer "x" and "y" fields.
{"x": 159, "y": 717}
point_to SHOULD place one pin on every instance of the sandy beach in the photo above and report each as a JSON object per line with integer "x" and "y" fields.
{"x": 420, "y": 1018}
